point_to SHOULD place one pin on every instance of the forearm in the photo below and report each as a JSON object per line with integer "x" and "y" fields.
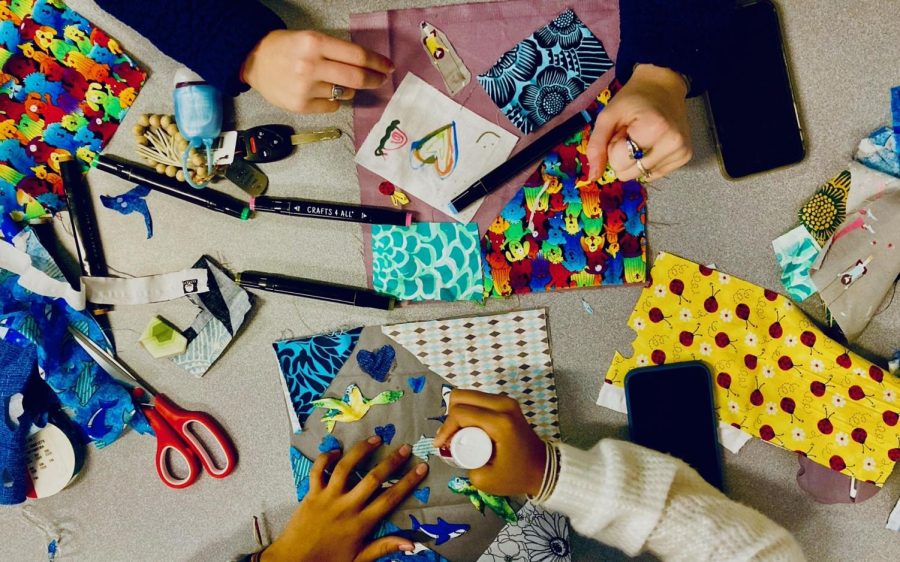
{"x": 639, "y": 500}
{"x": 212, "y": 37}
{"x": 677, "y": 34}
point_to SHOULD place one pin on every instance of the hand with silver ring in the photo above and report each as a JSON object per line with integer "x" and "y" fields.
{"x": 310, "y": 72}
{"x": 644, "y": 128}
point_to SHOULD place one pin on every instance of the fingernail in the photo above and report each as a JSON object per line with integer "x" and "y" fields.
{"x": 374, "y": 440}
{"x": 405, "y": 450}
{"x": 422, "y": 469}
{"x": 406, "y": 548}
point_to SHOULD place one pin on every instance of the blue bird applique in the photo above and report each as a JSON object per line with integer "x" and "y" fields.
{"x": 131, "y": 202}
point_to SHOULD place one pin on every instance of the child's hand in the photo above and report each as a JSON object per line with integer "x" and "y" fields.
{"x": 337, "y": 516}
{"x": 296, "y": 70}
{"x": 517, "y": 466}
{"x": 651, "y": 109}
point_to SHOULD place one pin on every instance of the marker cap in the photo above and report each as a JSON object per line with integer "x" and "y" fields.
{"x": 470, "y": 448}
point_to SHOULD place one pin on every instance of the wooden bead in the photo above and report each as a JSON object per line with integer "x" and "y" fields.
{"x": 151, "y": 161}
{"x": 154, "y": 121}
{"x": 142, "y": 140}
{"x": 160, "y": 168}
{"x": 172, "y": 129}
{"x": 198, "y": 161}
{"x": 181, "y": 145}
{"x": 139, "y": 130}
{"x": 144, "y": 120}
{"x": 165, "y": 121}
{"x": 201, "y": 171}
{"x": 171, "y": 171}
{"x": 179, "y": 175}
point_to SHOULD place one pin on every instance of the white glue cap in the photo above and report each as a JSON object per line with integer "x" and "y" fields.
{"x": 471, "y": 448}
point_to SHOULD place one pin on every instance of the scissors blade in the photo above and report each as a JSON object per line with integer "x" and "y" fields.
{"x": 107, "y": 361}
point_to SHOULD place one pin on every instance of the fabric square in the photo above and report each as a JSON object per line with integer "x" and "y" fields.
{"x": 502, "y": 354}
{"x": 776, "y": 375}
{"x": 65, "y": 87}
{"x": 796, "y": 253}
{"x": 308, "y": 366}
{"x": 433, "y": 147}
{"x": 538, "y": 535}
{"x": 879, "y": 151}
{"x": 827, "y": 209}
{"x": 561, "y": 231}
{"x": 537, "y": 79}
{"x": 427, "y": 261}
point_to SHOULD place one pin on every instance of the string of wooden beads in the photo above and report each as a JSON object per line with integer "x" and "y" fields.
{"x": 161, "y": 145}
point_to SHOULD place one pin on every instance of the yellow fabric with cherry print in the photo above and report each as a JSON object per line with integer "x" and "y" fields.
{"x": 776, "y": 375}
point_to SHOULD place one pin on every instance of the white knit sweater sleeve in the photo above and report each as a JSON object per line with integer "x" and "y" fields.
{"x": 636, "y": 499}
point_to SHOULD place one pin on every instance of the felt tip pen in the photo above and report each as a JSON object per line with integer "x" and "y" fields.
{"x": 331, "y": 211}
{"x": 314, "y": 290}
{"x": 84, "y": 220}
{"x": 530, "y": 154}
{"x": 212, "y": 200}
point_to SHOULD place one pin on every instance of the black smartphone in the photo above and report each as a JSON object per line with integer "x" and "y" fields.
{"x": 750, "y": 96}
{"x": 671, "y": 410}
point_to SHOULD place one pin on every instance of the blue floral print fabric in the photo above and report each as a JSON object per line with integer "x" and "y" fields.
{"x": 534, "y": 81}
{"x": 309, "y": 365}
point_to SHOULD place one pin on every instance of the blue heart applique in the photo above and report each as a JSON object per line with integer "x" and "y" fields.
{"x": 416, "y": 383}
{"x": 329, "y": 443}
{"x": 386, "y": 432}
{"x": 422, "y": 494}
{"x": 377, "y": 364}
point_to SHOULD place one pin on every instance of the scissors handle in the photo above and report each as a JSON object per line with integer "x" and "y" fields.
{"x": 167, "y": 441}
{"x": 182, "y": 421}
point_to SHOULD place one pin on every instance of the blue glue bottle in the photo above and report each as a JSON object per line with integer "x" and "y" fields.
{"x": 198, "y": 113}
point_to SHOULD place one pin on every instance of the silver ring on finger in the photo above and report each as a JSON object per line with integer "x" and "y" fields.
{"x": 337, "y": 92}
{"x": 635, "y": 152}
{"x": 646, "y": 175}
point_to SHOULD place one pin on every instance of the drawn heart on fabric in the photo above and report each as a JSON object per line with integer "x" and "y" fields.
{"x": 439, "y": 149}
{"x": 386, "y": 432}
{"x": 377, "y": 364}
{"x": 416, "y": 383}
{"x": 422, "y": 494}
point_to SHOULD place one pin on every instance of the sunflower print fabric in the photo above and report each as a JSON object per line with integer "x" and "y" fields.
{"x": 64, "y": 88}
{"x": 824, "y": 213}
{"x": 776, "y": 375}
{"x": 561, "y": 231}
{"x": 537, "y": 79}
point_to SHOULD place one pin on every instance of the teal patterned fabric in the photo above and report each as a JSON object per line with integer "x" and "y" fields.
{"x": 427, "y": 261}
{"x": 796, "y": 252}
{"x": 300, "y": 467}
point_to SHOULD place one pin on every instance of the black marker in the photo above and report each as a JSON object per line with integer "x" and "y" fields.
{"x": 506, "y": 171}
{"x": 85, "y": 231}
{"x": 331, "y": 211}
{"x": 314, "y": 290}
{"x": 212, "y": 200}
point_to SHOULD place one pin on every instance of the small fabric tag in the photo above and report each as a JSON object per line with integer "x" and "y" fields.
{"x": 145, "y": 290}
{"x": 445, "y": 59}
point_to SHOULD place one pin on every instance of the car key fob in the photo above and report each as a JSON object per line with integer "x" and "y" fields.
{"x": 266, "y": 143}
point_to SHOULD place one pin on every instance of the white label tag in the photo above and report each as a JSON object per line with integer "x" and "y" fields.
{"x": 144, "y": 290}
{"x": 226, "y": 144}
{"x": 51, "y": 461}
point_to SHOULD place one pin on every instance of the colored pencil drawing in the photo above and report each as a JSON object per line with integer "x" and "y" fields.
{"x": 394, "y": 139}
{"x": 438, "y": 149}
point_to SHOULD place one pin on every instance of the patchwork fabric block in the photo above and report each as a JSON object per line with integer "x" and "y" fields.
{"x": 537, "y": 79}
{"x": 777, "y": 376}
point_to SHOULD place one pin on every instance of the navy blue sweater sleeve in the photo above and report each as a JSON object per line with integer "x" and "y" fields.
{"x": 677, "y": 34}
{"x": 212, "y": 37}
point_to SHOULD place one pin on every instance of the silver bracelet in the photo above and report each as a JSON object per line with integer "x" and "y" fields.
{"x": 551, "y": 475}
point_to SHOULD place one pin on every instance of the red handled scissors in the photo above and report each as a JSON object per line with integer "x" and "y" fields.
{"x": 173, "y": 426}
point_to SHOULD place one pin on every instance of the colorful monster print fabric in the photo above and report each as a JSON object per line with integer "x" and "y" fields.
{"x": 64, "y": 88}
{"x": 538, "y": 78}
{"x": 328, "y": 366}
{"x": 777, "y": 376}
{"x": 561, "y": 231}
{"x": 427, "y": 261}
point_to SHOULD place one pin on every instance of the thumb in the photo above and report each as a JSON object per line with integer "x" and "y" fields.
{"x": 383, "y": 547}
{"x": 598, "y": 147}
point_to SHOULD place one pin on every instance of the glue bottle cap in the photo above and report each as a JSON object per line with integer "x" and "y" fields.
{"x": 471, "y": 448}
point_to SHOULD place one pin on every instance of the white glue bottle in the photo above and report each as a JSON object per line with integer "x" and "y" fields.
{"x": 470, "y": 448}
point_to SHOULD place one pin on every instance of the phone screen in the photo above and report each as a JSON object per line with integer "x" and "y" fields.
{"x": 670, "y": 409}
{"x": 750, "y": 95}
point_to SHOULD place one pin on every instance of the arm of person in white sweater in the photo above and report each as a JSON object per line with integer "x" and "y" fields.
{"x": 637, "y": 500}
